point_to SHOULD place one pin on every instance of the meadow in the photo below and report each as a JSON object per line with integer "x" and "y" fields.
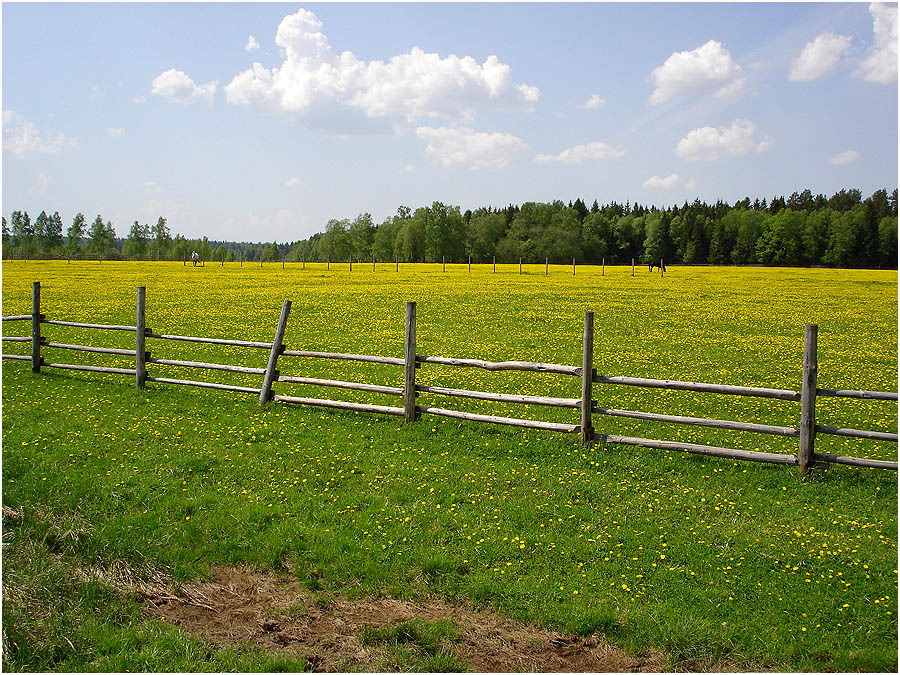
{"x": 718, "y": 564}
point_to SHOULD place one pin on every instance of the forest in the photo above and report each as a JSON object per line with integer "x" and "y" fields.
{"x": 843, "y": 230}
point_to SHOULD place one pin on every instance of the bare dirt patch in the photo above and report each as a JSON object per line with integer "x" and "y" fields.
{"x": 240, "y": 607}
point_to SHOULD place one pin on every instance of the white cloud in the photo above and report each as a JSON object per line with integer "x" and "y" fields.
{"x": 176, "y": 86}
{"x": 115, "y": 132}
{"x": 711, "y": 143}
{"x": 844, "y": 157}
{"x": 139, "y": 99}
{"x": 670, "y": 182}
{"x": 582, "y": 153}
{"x": 409, "y": 168}
{"x": 476, "y": 149}
{"x": 595, "y": 101}
{"x": 881, "y": 63}
{"x": 341, "y": 92}
{"x": 708, "y": 69}
{"x": 292, "y": 182}
{"x": 22, "y": 139}
{"x": 819, "y": 56}
{"x": 41, "y": 183}
{"x": 252, "y": 44}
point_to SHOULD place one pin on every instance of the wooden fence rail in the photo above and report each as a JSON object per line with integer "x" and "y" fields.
{"x": 805, "y": 431}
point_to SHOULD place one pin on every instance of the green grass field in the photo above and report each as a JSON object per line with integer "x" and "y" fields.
{"x": 719, "y": 564}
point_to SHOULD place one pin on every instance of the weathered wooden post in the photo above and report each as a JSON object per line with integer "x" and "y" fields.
{"x": 587, "y": 378}
{"x": 409, "y": 366}
{"x": 470, "y": 264}
{"x": 662, "y": 269}
{"x": 806, "y": 450}
{"x": 603, "y": 268}
{"x": 242, "y": 258}
{"x": 573, "y": 267}
{"x": 183, "y": 260}
{"x": 632, "y": 267}
{"x": 443, "y": 264}
{"x": 282, "y": 260}
{"x": 260, "y": 259}
{"x": 396, "y": 263}
{"x": 373, "y": 262}
{"x": 351, "y": 263}
{"x": 140, "y": 341}
{"x": 328, "y": 264}
{"x": 265, "y": 393}
{"x": 495, "y": 263}
{"x": 36, "y": 327}
{"x": 520, "y": 266}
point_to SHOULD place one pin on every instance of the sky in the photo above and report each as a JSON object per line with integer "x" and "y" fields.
{"x": 262, "y": 121}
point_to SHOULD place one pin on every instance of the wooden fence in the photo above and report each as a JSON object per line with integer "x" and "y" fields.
{"x": 805, "y": 431}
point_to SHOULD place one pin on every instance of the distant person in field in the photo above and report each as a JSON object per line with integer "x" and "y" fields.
{"x": 195, "y": 258}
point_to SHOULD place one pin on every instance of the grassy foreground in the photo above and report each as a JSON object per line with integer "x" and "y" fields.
{"x": 718, "y": 563}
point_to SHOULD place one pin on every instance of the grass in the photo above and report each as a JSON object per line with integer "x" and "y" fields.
{"x": 719, "y": 563}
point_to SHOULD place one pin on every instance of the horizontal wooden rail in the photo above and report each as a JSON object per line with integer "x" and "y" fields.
{"x": 93, "y": 369}
{"x": 208, "y": 366}
{"x": 853, "y": 393}
{"x": 212, "y": 341}
{"x": 76, "y": 324}
{"x": 729, "y": 453}
{"x": 341, "y": 405}
{"x": 503, "y": 365}
{"x": 204, "y": 385}
{"x": 783, "y": 394}
{"x": 857, "y": 433}
{"x": 10, "y": 338}
{"x": 701, "y": 421}
{"x": 85, "y": 348}
{"x": 346, "y": 357}
{"x": 18, "y": 317}
{"x": 16, "y": 357}
{"x": 856, "y": 461}
{"x": 340, "y": 384}
{"x": 503, "y": 398}
{"x": 510, "y": 421}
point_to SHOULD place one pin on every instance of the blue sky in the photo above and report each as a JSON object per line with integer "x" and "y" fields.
{"x": 260, "y": 122}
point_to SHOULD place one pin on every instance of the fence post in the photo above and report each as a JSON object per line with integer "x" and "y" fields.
{"x": 520, "y": 266}
{"x": 603, "y": 269}
{"x": 495, "y": 263}
{"x": 266, "y": 392}
{"x": 662, "y": 269}
{"x": 409, "y": 366}
{"x": 36, "y": 327}
{"x": 806, "y": 448}
{"x": 373, "y": 262}
{"x": 573, "y": 267}
{"x": 443, "y": 264}
{"x": 282, "y": 261}
{"x": 396, "y": 263}
{"x": 470, "y": 264}
{"x": 632, "y": 267}
{"x": 546, "y": 266}
{"x": 351, "y": 263}
{"x": 587, "y": 378}
{"x": 140, "y": 342}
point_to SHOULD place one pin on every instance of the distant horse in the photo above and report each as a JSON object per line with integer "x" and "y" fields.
{"x": 195, "y": 258}
{"x": 661, "y": 265}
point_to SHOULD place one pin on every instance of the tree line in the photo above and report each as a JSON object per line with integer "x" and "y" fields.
{"x": 843, "y": 230}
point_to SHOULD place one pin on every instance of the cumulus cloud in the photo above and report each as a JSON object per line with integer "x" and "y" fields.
{"x": 176, "y": 86}
{"x": 712, "y": 143}
{"x": 880, "y": 64}
{"x": 41, "y": 183}
{"x": 844, "y": 157}
{"x": 595, "y": 101}
{"x": 670, "y": 182}
{"x": 708, "y": 69}
{"x": 22, "y": 139}
{"x": 476, "y": 149}
{"x": 819, "y": 56}
{"x": 582, "y": 153}
{"x": 252, "y": 44}
{"x": 330, "y": 89}
{"x": 292, "y": 182}
{"x": 115, "y": 132}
